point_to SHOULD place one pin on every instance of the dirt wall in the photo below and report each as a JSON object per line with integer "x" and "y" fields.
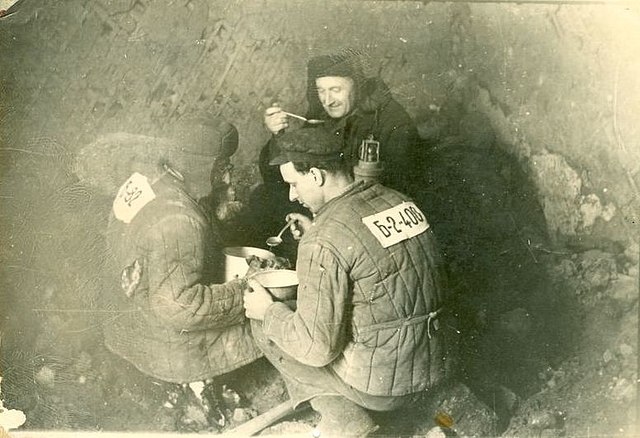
{"x": 558, "y": 84}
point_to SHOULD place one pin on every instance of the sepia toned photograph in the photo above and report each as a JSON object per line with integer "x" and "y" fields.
{"x": 319, "y": 219}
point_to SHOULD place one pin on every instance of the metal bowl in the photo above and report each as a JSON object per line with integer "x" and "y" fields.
{"x": 281, "y": 283}
{"x": 235, "y": 257}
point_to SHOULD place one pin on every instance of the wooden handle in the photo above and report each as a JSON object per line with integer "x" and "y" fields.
{"x": 262, "y": 421}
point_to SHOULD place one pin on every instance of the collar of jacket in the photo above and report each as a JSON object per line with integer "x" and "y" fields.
{"x": 354, "y": 187}
{"x": 168, "y": 186}
{"x": 375, "y": 95}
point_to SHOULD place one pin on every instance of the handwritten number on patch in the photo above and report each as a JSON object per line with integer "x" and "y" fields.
{"x": 132, "y": 192}
{"x": 396, "y": 224}
{"x": 133, "y": 195}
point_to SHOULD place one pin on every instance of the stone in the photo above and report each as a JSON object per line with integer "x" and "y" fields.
{"x": 470, "y": 416}
{"x": 624, "y": 290}
{"x": 46, "y": 377}
{"x": 623, "y": 390}
{"x": 241, "y": 415}
{"x": 625, "y": 349}
{"x": 633, "y": 252}
{"x": 195, "y": 415}
{"x": 435, "y": 432}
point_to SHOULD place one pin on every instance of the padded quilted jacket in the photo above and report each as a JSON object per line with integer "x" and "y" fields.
{"x": 377, "y": 114}
{"x": 370, "y": 313}
{"x": 168, "y": 312}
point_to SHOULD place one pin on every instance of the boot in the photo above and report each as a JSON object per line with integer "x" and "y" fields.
{"x": 341, "y": 418}
{"x": 213, "y": 404}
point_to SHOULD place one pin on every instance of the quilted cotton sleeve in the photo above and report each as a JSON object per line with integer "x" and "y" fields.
{"x": 175, "y": 266}
{"x": 315, "y": 333}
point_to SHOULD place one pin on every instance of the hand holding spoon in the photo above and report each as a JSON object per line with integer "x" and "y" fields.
{"x": 304, "y": 119}
{"x": 277, "y": 239}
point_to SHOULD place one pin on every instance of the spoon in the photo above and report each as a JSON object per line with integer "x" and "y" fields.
{"x": 277, "y": 240}
{"x": 309, "y": 121}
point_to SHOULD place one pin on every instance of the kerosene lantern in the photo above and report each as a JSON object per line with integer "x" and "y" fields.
{"x": 369, "y": 167}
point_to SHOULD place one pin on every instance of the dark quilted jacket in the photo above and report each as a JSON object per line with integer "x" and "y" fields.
{"x": 363, "y": 309}
{"x": 377, "y": 113}
{"x": 179, "y": 324}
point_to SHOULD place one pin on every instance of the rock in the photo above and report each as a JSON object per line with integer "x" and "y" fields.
{"x": 46, "y": 377}
{"x": 546, "y": 420}
{"x": 625, "y": 350}
{"x": 597, "y": 269}
{"x": 436, "y": 432}
{"x": 470, "y": 416}
{"x": 197, "y": 388}
{"x": 165, "y": 419}
{"x": 564, "y": 269}
{"x": 241, "y": 415}
{"x": 230, "y": 397}
{"x": 633, "y": 253}
{"x": 623, "y": 390}
{"x": 624, "y": 290}
{"x": 559, "y": 187}
{"x": 83, "y": 362}
{"x": 194, "y": 415}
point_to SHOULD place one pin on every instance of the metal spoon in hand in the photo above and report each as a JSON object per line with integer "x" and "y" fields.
{"x": 304, "y": 119}
{"x": 277, "y": 240}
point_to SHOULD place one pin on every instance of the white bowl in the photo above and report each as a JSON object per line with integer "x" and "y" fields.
{"x": 281, "y": 283}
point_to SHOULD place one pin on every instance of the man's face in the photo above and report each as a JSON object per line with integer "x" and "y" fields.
{"x": 303, "y": 187}
{"x": 337, "y": 95}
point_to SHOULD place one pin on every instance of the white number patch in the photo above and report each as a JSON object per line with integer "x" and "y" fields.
{"x": 396, "y": 224}
{"x": 133, "y": 195}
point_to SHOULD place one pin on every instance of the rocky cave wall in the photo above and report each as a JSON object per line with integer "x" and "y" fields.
{"x": 560, "y": 85}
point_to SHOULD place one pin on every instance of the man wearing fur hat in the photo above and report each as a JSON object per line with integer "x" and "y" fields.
{"x": 170, "y": 314}
{"x": 355, "y": 108}
{"x": 369, "y": 330}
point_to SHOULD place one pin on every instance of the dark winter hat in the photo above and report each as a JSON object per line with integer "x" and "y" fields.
{"x": 187, "y": 146}
{"x": 204, "y": 135}
{"x": 333, "y": 65}
{"x": 307, "y": 145}
{"x": 346, "y": 63}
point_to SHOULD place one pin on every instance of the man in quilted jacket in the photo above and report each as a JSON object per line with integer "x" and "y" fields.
{"x": 171, "y": 315}
{"x": 368, "y": 331}
{"x": 355, "y": 108}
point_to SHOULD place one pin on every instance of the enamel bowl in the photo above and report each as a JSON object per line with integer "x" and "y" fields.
{"x": 281, "y": 283}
